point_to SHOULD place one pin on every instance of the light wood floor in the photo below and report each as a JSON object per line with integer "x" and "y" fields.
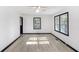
{"x": 38, "y": 43}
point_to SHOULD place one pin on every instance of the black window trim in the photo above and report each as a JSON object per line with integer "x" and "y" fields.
{"x": 40, "y": 23}
{"x": 59, "y": 23}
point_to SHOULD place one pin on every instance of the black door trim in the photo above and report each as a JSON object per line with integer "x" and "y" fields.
{"x": 21, "y": 25}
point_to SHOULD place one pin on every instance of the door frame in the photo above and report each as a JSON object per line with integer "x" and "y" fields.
{"x": 21, "y": 25}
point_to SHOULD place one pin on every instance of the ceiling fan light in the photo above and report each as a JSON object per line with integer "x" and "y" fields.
{"x": 39, "y": 7}
{"x": 37, "y": 11}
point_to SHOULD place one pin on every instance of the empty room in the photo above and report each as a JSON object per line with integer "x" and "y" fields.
{"x": 39, "y": 28}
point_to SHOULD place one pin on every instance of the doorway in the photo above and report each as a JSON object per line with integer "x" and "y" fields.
{"x": 21, "y": 25}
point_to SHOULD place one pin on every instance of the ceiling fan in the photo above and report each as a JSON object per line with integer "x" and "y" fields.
{"x": 39, "y": 8}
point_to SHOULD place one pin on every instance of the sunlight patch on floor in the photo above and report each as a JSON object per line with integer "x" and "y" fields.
{"x": 31, "y": 43}
{"x": 37, "y": 40}
{"x": 33, "y": 38}
{"x": 43, "y": 38}
{"x": 43, "y": 42}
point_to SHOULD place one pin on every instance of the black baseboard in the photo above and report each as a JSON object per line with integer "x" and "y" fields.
{"x": 40, "y": 33}
{"x": 36, "y": 33}
{"x": 65, "y": 43}
{"x": 10, "y": 44}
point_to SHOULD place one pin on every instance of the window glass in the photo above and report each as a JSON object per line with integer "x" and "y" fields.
{"x": 63, "y": 23}
{"x": 36, "y": 23}
{"x": 57, "y": 23}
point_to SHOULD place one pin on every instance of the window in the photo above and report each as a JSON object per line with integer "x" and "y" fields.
{"x": 57, "y": 23}
{"x": 36, "y": 23}
{"x": 61, "y": 23}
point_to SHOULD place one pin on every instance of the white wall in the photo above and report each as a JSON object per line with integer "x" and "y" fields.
{"x": 9, "y": 26}
{"x": 45, "y": 24}
{"x": 73, "y": 38}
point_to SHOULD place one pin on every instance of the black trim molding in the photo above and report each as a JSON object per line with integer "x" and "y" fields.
{"x": 10, "y": 44}
{"x": 39, "y": 33}
{"x": 36, "y": 33}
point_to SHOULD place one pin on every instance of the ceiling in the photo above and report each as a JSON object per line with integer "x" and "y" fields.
{"x": 44, "y": 10}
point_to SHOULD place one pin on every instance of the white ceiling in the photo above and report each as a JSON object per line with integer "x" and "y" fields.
{"x": 44, "y": 10}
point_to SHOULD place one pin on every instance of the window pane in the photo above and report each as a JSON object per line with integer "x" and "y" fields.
{"x": 57, "y": 23}
{"x": 63, "y": 23}
{"x": 36, "y": 23}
